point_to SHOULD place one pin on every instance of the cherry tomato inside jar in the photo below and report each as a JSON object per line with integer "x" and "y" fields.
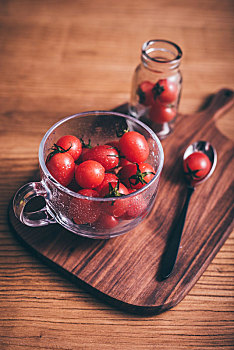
{"x": 161, "y": 114}
{"x": 165, "y": 91}
{"x": 145, "y": 93}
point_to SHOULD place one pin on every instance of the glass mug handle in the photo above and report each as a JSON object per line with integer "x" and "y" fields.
{"x": 29, "y": 191}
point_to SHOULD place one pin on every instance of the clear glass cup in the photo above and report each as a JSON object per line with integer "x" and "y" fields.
{"x": 156, "y": 86}
{"x": 60, "y": 201}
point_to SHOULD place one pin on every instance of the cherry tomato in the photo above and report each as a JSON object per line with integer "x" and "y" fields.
{"x": 134, "y": 147}
{"x": 89, "y": 174}
{"x": 137, "y": 206}
{"x": 108, "y": 177}
{"x": 71, "y": 144}
{"x": 106, "y": 221}
{"x": 61, "y": 166}
{"x": 113, "y": 189}
{"x": 196, "y": 166}
{"x": 123, "y": 162}
{"x": 81, "y": 159}
{"x": 136, "y": 175}
{"x": 85, "y": 148}
{"x": 122, "y": 159}
{"x": 106, "y": 155}
{"x": 161, "y": 114}
{"x": 85, "y": 211}
{"x": 165, "y": 91}
{"x": 145, "y": 93}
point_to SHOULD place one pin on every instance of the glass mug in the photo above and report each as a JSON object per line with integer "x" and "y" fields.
{"x": 100, "y": 127}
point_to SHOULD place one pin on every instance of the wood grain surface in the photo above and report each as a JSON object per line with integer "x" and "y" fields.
{"x": 63, "y": 57}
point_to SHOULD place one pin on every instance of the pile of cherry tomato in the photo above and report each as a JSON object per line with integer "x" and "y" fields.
{"x": 110, "y": 170}
{"x": 160, "y": 97}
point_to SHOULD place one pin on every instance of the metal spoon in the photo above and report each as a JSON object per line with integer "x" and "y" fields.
{"x": 169, "y": 258}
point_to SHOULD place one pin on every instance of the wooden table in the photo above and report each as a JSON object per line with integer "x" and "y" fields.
{"x": 63, "y": 57}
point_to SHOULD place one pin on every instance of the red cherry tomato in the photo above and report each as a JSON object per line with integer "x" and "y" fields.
{"x": 106, "y": 155}
{"x": 165, "y": 91}
{"x": 106, "y": 221}
{"x": 85, "y": 211}
{"x": 196, "y": 166}
{"x": 81, "y": 159}
{"x": 136, "y": 175}
{"x": 145, "y": 93}
{"x": 85, "y": 148}
{"x": 62, "y": 167}
{"x": 137, "y": 206}
{"x": 134, "y": 147}
{"x": 109, "y": 177}
{"x": 113, "y": 189}
{"x": 161, "y": 114}
{"x": 71, "y": 144}
{"x": 122, "y": 159}
{"x": 89, "y": 174}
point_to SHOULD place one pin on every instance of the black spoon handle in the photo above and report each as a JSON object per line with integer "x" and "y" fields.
{"x": 169, "y": 258}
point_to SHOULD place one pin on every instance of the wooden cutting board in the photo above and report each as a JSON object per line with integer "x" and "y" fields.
{"x": 125, "y": 270}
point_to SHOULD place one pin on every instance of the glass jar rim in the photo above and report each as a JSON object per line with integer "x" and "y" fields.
{"x": 85, "y": 114}
{"x": 173, "y": 61}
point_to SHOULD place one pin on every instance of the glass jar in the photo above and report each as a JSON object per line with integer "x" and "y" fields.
{"x": 156, "y": 86}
